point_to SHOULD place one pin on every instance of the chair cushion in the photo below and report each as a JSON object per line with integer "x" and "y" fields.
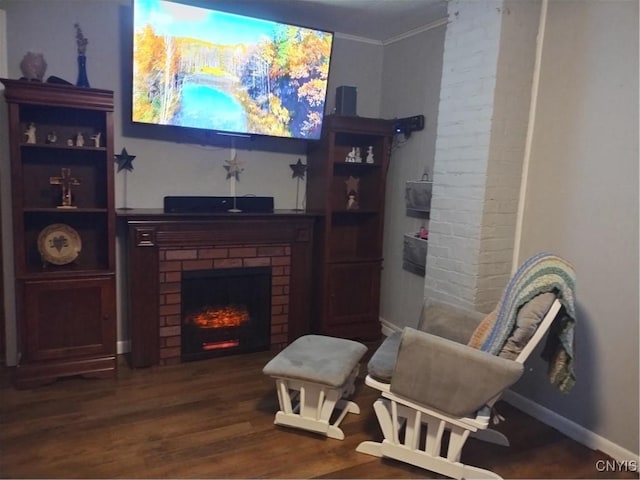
{"x": 448, "y": 321}
{"x": 527, "y": 321}
{"x": 383, "y": 361}
{"x": 317, "y": 359}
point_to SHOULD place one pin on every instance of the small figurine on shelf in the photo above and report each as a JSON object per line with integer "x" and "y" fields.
{"x": 370, "y": 154}
{"x": 79, "y": 140}
{"x": 69, "y": 142}
{"x": 30, "y": 133}
{"x": 351, "y": 156}
{"x": 423, "y": 234}
{"x": 353, "y": 186}
{"x": 96, "y": 139}
{"x": 52, "y": 137}
{"x": 352, "y": 202}
{"x": 354, "y": 156}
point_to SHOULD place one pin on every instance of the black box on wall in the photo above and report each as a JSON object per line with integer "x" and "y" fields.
{"x": 346, "y": 99}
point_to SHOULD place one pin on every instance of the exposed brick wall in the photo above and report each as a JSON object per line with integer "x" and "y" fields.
{"x": 174, "y": 261}
{"x": 462, "y": 150}
{"x": 482, "y": 124}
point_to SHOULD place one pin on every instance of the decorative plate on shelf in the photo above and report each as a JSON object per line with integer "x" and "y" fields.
{"x": 59, "y": 244}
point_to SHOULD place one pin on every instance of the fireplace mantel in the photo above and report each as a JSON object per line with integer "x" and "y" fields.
{"x": 151, "y": 231}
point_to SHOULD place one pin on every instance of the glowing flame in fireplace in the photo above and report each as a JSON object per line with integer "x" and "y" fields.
{"x": 219, "y": 317}
{"x": 220, "y": 345}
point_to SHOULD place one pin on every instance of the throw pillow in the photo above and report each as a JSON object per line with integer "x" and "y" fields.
{"x": 483, "y": 329}
{"x": 529, "y": 317}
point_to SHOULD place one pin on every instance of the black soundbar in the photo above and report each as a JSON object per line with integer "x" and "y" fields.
{"x": 186, "y": 204}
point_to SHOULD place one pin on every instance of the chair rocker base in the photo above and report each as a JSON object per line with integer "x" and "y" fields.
{"x": 491, "y": 436}
{"x": 421, "y": 459}
{"x": 314, "y": 407}
{"x": 394, "y": 413}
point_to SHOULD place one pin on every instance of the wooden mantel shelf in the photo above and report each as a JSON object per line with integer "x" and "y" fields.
{"x": 150, "y": 230}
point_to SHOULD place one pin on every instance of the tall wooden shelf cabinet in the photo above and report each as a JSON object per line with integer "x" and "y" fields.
{"x": 349, "y": 197}
{"x": 61, "y": 154}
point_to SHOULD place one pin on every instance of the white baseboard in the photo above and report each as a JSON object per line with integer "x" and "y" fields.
{"x": 570, "y": 428}
{"x": 123, "y": 346}
{"x": 387, "y": 327}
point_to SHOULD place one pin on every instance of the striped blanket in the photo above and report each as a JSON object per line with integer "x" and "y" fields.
{"x": 543, "y": 272}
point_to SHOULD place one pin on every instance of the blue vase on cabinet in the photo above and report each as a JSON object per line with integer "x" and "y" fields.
{"x": 83, "y": 81}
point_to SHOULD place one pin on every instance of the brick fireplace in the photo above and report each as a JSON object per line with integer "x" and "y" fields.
{"x": 162, "y": 247}
{"x": 174, "y": 262}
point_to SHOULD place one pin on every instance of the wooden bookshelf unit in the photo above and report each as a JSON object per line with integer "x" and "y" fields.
{"x": 61, "y": 149}
{"x": 346, "y": 178}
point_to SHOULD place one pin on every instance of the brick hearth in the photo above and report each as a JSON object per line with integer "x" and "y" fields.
{"x": 174, "y": 261}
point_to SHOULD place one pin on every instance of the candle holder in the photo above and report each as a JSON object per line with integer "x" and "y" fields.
{"x": 233, "y": 169}
{"x": 298, "y": 172}
{"x": 125, "y": 162}
{"x": 234, "y": 209}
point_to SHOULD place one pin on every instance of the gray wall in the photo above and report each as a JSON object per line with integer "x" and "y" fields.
{"x": 411, "y": 85}
{"x": 582, "y": 203}
{"x": 358, "y": 63}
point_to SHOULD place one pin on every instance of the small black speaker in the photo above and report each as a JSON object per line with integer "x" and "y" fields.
{"x": 346, "y": 99}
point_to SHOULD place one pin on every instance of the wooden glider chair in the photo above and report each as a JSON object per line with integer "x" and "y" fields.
{"x": 447, "y": 374}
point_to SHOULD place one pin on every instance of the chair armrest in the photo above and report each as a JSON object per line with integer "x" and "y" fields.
{"x": 449, "y": 321}
{"x": 448, "y": 376}
{"x": 383, "y": 361}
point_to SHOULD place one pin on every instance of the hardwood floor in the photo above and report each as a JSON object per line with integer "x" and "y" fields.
{"x": 214, "y": 419}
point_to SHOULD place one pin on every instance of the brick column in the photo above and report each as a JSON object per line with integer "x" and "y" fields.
{"x": 482, "y": 123}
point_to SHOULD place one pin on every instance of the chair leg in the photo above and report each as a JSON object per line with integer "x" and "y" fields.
{"x": 457, "y": 438}
{"x": 381, "y": 408}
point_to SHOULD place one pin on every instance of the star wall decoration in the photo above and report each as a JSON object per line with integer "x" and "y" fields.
{"x": 298, "y": 169}
{"x": 124, "y": 160}
{"x": 353, "y": 184}
{"x": 233, "y": 168}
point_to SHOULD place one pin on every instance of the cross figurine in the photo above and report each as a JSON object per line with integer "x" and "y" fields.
{"x": 66, "y": 181}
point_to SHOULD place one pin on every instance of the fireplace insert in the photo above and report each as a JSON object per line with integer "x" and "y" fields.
{"x": 225, "y": 311}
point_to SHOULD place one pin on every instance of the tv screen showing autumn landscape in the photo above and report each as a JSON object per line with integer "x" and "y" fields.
{"x": 205, "y": 69}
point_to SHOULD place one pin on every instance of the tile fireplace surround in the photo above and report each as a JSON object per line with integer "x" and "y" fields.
{"x": 161, "y": 246}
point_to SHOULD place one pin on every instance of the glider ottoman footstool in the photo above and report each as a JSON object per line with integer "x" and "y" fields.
{"x": 312, "y": 376}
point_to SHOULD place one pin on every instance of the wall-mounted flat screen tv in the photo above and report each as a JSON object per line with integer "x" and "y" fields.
{"x": 205, "y": 69}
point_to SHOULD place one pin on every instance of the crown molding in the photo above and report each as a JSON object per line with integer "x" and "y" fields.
{"x": 429, "y": 26}
{"x": 355, "y": 38}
